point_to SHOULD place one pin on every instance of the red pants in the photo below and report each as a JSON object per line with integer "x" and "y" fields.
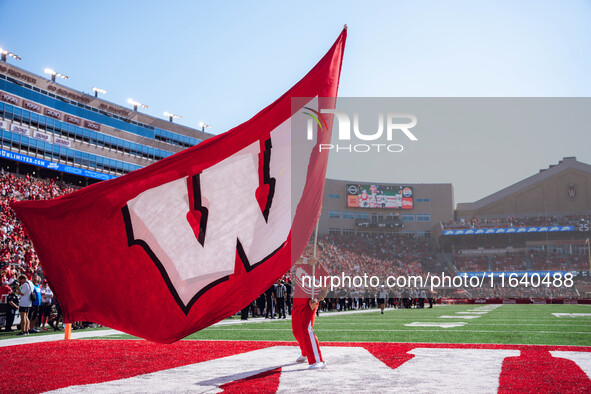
{"x": 302, "y": 322}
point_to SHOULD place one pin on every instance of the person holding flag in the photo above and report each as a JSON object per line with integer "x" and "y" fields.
{"x": 307, "y": 296}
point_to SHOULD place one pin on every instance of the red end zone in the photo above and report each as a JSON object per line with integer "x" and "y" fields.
{"x": 525, "y": 368}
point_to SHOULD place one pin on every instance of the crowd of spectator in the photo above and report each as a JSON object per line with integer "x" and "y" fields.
{"x": 17, "y": 254}
{"x": 525, "y": 260}
{"x": 20, "y": 271}
{"x": 530, "y": 260}
{"x": 378, "y": 255}
{"x": 507, "y": 292}
{"x": 471, "y": 263}
{"x": 552, "y": 261}
{"x": 509, "y": 261}
{"x": 580, "y": 263}
{"x": 525, "y": 221}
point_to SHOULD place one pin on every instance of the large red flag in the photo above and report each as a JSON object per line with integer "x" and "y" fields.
{"x": 172, "y": 248}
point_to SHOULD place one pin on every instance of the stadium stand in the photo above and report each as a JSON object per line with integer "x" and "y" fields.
{"x": 526, "y": 221}
{"x": 17, "y": 254}
{"x": 380, "y": 255}
{"x": 471, "y": 263}
{"x": 537, "y": 254}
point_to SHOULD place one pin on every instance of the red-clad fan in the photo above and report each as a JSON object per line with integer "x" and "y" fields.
{"x": 307, "y": 296}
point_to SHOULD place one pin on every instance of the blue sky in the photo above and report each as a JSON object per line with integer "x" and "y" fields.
{"x": 222, "y": 62}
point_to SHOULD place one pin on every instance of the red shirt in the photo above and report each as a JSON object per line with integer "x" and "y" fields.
{"x": 303, "y": 288}
{"x": 4, "y": 289}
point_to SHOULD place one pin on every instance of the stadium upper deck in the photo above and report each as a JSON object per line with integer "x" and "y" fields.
{"x": 548, "y": 211}
{"x": 45, "y": 126}
{"x": 560, "y": 190}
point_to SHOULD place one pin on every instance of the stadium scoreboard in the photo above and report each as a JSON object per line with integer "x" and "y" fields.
{"x": 379, "y": 196}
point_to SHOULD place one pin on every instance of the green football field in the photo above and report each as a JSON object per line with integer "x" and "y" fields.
{"x": 507, "y": 324}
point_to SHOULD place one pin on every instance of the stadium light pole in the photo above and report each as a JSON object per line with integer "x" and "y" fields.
{"x": 54, "y": 74}
{"x": 98, "y": 90}
{"x": 136, "y": 104}
{"x": 203, "y": 126}
{"x": 5, "y": 53}
{"x": 172, "y": 116}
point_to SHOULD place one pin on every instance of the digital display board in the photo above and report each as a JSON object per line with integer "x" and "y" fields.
{"x": 379, "y": 196}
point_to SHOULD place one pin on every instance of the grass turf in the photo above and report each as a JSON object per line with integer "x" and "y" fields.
{"x": 508, "y": 324}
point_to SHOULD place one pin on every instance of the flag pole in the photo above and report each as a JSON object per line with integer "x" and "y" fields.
{"x": 316, "y": 237}
{"x": 314, "y": 266}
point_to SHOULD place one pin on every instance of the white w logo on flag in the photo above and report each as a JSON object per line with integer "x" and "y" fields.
{"x": 193, "y": 227}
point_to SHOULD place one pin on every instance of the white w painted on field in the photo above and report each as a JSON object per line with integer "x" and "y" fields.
{"x": 582, "y": 359}
{"x": 350, "y": 369}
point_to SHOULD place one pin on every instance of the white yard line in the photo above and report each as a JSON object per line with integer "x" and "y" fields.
{"x": 24, "y": 340}
{"x": 410, "y": 331}
{"x": 572, "y": 314}
{"x": 236, "y": 320}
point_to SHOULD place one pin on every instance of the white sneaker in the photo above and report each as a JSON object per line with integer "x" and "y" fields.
{"x": 301, "y": 359}
{"x": 320, "y": 365}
